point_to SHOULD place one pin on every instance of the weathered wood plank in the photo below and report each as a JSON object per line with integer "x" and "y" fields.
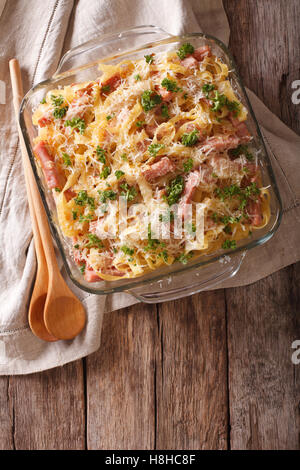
{"x": 121, "y": 382}
{"x": 47, "y": 409}
{"x": 191, "y": 387}
{"x": 6, "y": 419}
{"x": 263, "y": 321}
{"x": 263, "y": 318}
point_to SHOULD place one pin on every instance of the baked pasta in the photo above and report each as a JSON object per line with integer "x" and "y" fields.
{"x": 150, "y": 139}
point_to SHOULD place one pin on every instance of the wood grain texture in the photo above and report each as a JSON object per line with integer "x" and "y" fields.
{"x": 121, "y": 382}
{"x": 191, "y": 390}
{"x": 263, "y": 318}
{"x": 6, "y": 416}
{"x": 47, "y": 409}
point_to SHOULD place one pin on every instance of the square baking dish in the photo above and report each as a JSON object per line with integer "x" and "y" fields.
{"x": 81, "y": 64}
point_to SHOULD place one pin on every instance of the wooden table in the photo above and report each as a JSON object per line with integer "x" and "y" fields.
{"x": 211, "y": 371}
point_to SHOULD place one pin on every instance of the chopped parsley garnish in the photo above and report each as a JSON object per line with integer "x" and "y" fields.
{"x": 137, "y": 77}
{"x": 219, "y": 101}
{"x": 94, "y": 241}
{"x": 105, "y": 89}
{"x": 152, "y": 242}
{"x": 214, "y": 175}
{"x": 59, "y": 113}
{"x": 127, "y": 251}
{"x": 83, "y": 199}
{"x": 100, "y": 154}
{"x": 191, "y": 228}
{"x": 229, "y": 244}
{"x": 105, "y": 172}
{"x": 149, "y": 100}
{"x": 185, "y": 96}
{"x": 76, "y": 246}
{"x": 174, "y": 190}
{"x": 241, "y": 150}
{"x": 170, "y": 85}
{"x": 140, "y": 123}
{"x": 74, "y": 215}
{"x": 188, "y": 165}
{"x": 107, "y": 194}
{"x": 129, "y": 192}
{"x": 164, "y": 255}
{"x": 153, "y": 149}
{"x": 82, "y": 268}
{"x": 149, "y": 58}
{"x": 207, "y": 88}
{"x": 190, "y": 139}
{"x": 165, "y": 111}
{"x": 85, "y": 218}
{"x": 242, "y": 193}
{"x": 119, "y": 174}
{"x": 185, "y": 49}
{"x": 168, "y": 216}
{"x": 184, "y": 258}
{"x": 43, "y": 101}
{"x": 124, "y": 157}
{"x": 76, "y": 123}
{"x": 58, "y": 190}
{"x": 233, "y": 106}
{"x": 66, "y": 159}
{"x": 110, "y": 116}
{"x": 57, "y": 100}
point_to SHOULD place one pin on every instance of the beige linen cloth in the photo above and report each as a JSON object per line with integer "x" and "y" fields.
{"x": 37, "y": 33}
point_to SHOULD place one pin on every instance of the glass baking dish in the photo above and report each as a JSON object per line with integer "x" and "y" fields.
{"x": 81, "y": 64}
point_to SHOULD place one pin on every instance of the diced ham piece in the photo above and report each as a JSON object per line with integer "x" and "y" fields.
{"x": 69, "y": 194}
{"x": 189, "y": 190}
{"x": 221, "y": 143}
{"x": 78, "y": 107}
{"x": 241, "y": 129}
{"x": 150, "y": 129}
{"x": 160, "y": 168}
{"x": 53, "y": 178}
{"x": 90, "y": 275}
{"x": 255, "y": 212}
{"x": 113, "y": 82}
{"x": 164, "y": 93}
{"x": 189, "y": 62}
{"x": 202, "y": 52}
{"x": 46, "y": 119}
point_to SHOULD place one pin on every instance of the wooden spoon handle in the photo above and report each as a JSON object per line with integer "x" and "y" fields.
{"x": 40, "y": 225}
{"x": 17, "y": 89}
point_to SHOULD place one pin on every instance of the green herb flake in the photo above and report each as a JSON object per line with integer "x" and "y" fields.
{"x": 185, "y": 49}
{"x": 229, "y": 244}
{"x": 140, "y": 123}
{"x": 137, "y": 77}
{"x": 127, "y": 251}
{"x": 57, "y": 100}
{"x": 165, "y": 111}
{"x": 150, "y": 99}
{"x": 94, "y": 241}
{"x": 43, "y": 101}
{"x": 184, "y": 257}
{"x": 59, "y": 113}
{"x": 58, "y": 190}
{"x": 100, "y": 154}
{"x": 190, "y": 139}
{"x": 153, "y": 149}
{"x": 119, "y": 174}
{"x": 105, "y": 89}
{"x": 82, "y": 268}
{"x": 207, "y": 88}
{"x": 188, "y": 165}
{"x": 76, "y": 123}
{"x": 105, "y": 172}
{"x": 74, "y": 215}
{"x": 129, "y": 192}
{"x": 66, "y": 159}
{"x": 149, "y": 59}
{"x": 107, "y": 194}
{"x": 174, "y": 190}
{"x": 170, "y": 85}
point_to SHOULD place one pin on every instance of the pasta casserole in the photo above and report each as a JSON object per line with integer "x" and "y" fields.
{"x": 150, "y": 164}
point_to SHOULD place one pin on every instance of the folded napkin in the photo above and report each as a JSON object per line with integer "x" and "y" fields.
{"x": 37, "y": 33}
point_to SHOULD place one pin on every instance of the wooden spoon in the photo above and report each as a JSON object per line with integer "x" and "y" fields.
{"x": 64, "y": 316}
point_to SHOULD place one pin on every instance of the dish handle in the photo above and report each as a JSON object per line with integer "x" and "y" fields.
{"x": 188, "y": 283}
{"x": 110, "y": 44}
